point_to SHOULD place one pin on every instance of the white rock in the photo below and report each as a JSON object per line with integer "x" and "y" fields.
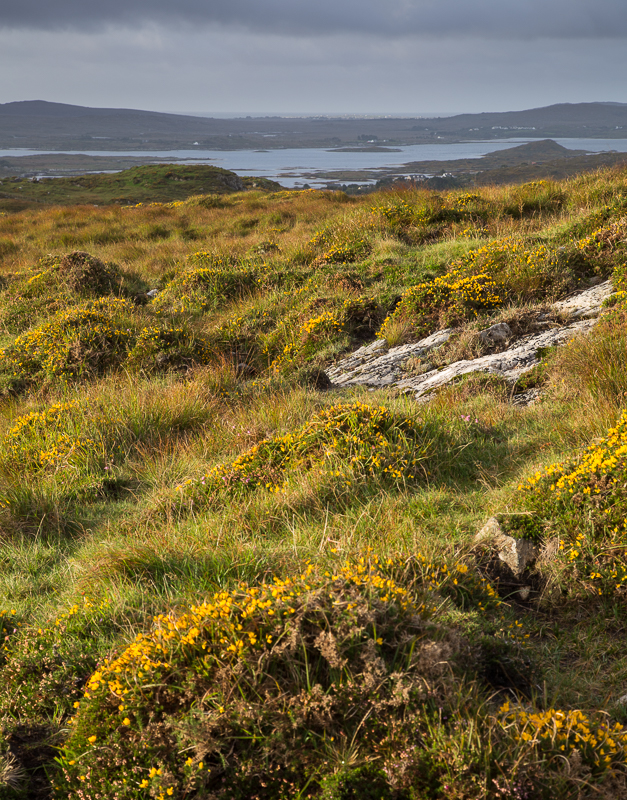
{"x": 376, "y": 365}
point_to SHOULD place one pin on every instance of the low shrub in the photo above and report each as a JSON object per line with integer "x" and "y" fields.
{"x": 160, "y": 348}
{"x": 583, "y": 503}
{"x": 525, "y": 272}
{"x": 261, "y": 691}
{"x": 81, "y": 342}
{"x": 352, "y": 443}
{"x": 46, "y": 668}
{"x": 205, "y": 283}
{"x": 59, "y": 282}
{"x": 442, "y": 302}
{"x": 589, "y": 745}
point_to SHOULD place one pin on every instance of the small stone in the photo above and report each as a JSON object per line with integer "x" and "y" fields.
{"x": 152, "y": 293}
{"x": 517, "y": 554}
{"x": 496, "y": 334}
{"x": 622, "y": 701}
{"x": 242, "y": 370}
{"x": 524, "y": 592}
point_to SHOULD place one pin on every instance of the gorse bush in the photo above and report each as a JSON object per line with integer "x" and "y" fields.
{"x": 445, "y": 301}
{"x": 83, "y": 341}
{"x": 525, "y": 272}
{"x": 205, "y": 283}
{"x": 58, "y": 282}
{"x": 584, "y": 503}
{"x": 46, "y": 667}
{"x": 350, "y": 443}
{"x": 260, "y": 691}
{"x": 159, "y": 348}
{"x": 587, "y": 745}
{"x": 52, "y": 439}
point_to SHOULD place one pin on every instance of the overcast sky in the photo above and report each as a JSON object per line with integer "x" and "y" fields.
{"x": 314, "y": 56}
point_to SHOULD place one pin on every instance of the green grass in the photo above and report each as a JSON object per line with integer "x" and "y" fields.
{"x": 162, "y": 183}
{"x": 165, "y": 461}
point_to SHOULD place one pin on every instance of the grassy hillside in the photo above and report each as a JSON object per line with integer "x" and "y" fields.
{"x": 162, "y": 183}
{"x": 221, "y": 578}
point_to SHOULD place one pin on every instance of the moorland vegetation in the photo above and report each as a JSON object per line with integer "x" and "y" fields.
{"x": 222, "y": 578}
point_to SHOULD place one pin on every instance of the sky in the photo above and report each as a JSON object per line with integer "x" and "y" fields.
{"x": 314, "y": 56}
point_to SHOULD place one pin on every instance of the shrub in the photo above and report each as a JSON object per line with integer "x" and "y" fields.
{"x": 584, "y": 503}
{"x": 52, "y": 439}
{"x": 312, "y": 335}
{"x": 251, "y": 693}
{"x": 582, "y": 741}
{"x": 46, "y": 668}
{"x": 525, "y": 273}
{"x": 352, "y": 443}
{"x": 162, "y": 348}
{"x": 81, "y": 342}
{"x": 58, "y": 282}
{"x": 342, "y": 243}
{"x": 206, "y": 283}
{"x": 425, "y": 221}
{"x": 444, "y": 301}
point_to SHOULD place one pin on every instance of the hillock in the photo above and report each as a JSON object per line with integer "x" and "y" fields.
{"x": 162, "y": 183}
{"x": 231, "y": 569}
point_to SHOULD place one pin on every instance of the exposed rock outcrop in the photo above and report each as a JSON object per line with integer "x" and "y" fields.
{"x": 377, "y": 365}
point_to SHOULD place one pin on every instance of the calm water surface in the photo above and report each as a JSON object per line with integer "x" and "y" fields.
{"x": 289, "y": 166}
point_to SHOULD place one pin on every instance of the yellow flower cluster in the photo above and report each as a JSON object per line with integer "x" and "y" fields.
{"x": 466, "y": 199}
{"x": 600, "y": 745}
{"x": 307, "y": 337}
{"x": 197, "y": 288}
{"x": 444, "y": 300}
{"x": 97, "y": 326}
{"x": 605, "y": 237}
{"x": 606, "y": 458}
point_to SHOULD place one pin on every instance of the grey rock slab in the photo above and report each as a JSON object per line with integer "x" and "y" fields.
{"x": 377, "y": 365}
{"x": 510, "y": 364}
{"x": 496, "y": 334}
{"x": 586, "y": 304}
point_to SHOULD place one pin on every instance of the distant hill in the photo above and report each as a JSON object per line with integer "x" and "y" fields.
{"x": 39, "y": 124}
{"x": 158, "y": 183}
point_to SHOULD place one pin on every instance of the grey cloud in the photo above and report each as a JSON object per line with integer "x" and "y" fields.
{"x": 512, "y": 19}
